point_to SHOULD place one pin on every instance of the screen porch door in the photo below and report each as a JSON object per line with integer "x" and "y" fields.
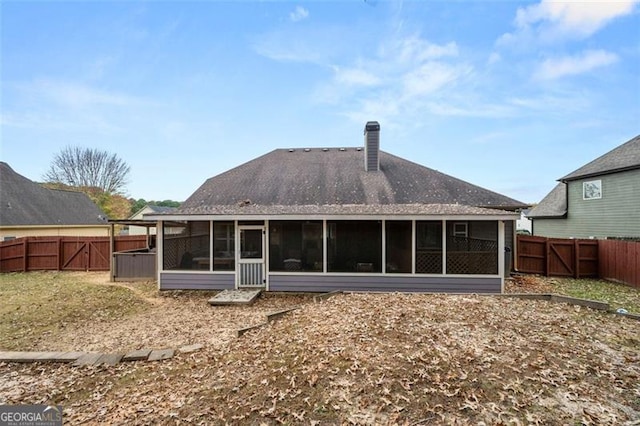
{"x": 251, "y": 259}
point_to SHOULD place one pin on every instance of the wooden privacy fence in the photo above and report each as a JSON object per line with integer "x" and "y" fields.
{"x": 63, "y": 253}
{"x": 609, "y": 259}
{"x": 620, "y": 261}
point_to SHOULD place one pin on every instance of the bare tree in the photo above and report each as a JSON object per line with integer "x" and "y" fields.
{"x": 87, "y": 167}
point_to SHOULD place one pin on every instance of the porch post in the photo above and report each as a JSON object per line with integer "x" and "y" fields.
{"x": 413, "y": 246}
{"x": 325, "y": 260}
{"x": 384, "y": 247}
{"x": 112, "y": 256}
{"x": 236, "y": 237}
{"x": 444, "y": 247}
{"x": 159, "y": 250}
{"x": 211, "y": 245}
{"x": 266, "y": 253}
{"x": 501, "y": 254}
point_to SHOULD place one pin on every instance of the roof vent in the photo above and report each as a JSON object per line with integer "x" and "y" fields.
{"x": 307, "y": 149}
{"x": 343, "y": 149}
{"x": 325, "y": 149}
{"x": 291, "y": 149}
{"x": 372, "y": 146}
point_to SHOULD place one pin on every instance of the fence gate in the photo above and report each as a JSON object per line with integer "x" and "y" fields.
{"x": 63, "y": 253}
{"x": 558, "y": 257}
{"x": 561, "y": 256}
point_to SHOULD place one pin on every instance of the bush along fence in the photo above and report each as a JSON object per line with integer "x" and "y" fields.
{"x": 609, "y": 259}
{"x": 63, "y": 253}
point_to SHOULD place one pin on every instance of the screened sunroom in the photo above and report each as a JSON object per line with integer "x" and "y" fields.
{"x": 332, "y": 253}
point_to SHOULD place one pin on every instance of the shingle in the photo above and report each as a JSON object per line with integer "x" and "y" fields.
{"x": 325, "y": 177}
{"x": 23, "y": 202}
{"x": 161, "y": 209}
{"x": 553, "y": 205}
{"x": 344, "y": 209}
{"x": 624, "y": 157}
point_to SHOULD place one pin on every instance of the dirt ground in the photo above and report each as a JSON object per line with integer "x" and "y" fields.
{"x": 172, "y": 320}
{"x": 352, "y": 359}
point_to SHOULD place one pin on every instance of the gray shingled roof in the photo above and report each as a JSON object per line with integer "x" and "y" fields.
{"x": 553, "y": 205}
{"x": 23, "y": 202}
{"x": 334, "y": 177}
{"x": 161, "y": 209}
{"x": 347, "y": 209}
{"x": 624, "y": 157}
{"x": 155, "y": 210}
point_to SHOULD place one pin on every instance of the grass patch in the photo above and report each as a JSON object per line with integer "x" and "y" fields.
{"x": 617, "y": 295}
{"x": 37, "y": 305}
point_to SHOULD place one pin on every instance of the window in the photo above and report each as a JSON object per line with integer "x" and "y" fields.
{"x": 398, "y": 246}
{"x": 186, "y": 245}
{"x": 295, "y": 246}
{"x": 429, "y": 247}
{"x": 592, "y": 190}
{"x": 224, "y": 247}
{"x": 354, "y": 246}
{"x": 460, "y": 229}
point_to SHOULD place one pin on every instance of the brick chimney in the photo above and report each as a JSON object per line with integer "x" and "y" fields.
{"x": 372, "y": 146}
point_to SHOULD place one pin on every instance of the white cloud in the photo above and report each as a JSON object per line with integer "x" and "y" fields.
{"x": 355, "y": 77}
{"x": 396, "y": 80}
{"x": 551, "y": 19}
{"x": 78, "y": 95}
{"x": 431, "y": 77}
{"x": 414, "y": 49}
{"x": 299, "y": 14}
{"x": 304, "y": 44}
{"x": 70, "y": 106}
{"x": 571, "y": 65}
{"x": 494, "y": 58}
{"x": 405, "y": 77}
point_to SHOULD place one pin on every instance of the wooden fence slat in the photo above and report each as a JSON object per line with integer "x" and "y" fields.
{"x": 50, "y": 253}
{"x": 608, "y": 259}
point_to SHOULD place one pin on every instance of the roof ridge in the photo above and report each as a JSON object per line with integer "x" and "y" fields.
{"x": 620, "y": 156}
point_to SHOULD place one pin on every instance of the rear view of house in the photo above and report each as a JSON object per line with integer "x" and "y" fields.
{"x": 322, "y": 219}
{"x": 599, "y": 200}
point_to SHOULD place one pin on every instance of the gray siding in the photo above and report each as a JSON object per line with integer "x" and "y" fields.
{"x": 129, "y": 266}
{"x": 327, "y": 283}
{"x": 616, "y": 214}
{"x": 189, "y": 281}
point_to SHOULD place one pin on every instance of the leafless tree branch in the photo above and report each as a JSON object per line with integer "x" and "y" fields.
{"x": 89, "y": 167}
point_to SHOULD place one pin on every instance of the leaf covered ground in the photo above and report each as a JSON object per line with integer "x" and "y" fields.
{"x": 351, "y": 359}
{"x": 618, "y": 295}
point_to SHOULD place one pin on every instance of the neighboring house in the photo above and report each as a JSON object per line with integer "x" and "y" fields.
{"x": 139, "y": 215}
{"x": 29, "y": 209}
{"x": 323, "y": 219}
{"x": 599, "y": 200}
{"x": 523, "y": 225}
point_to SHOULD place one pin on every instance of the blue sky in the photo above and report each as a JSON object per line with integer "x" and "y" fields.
{"x": 507, "y": 95}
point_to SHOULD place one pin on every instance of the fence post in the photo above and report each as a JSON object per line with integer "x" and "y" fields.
{"x": 547, "y": 248}
{"x": 24, "y": 254}
{"x": 59, "y": 251}
{"x": 576, "y": 259}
